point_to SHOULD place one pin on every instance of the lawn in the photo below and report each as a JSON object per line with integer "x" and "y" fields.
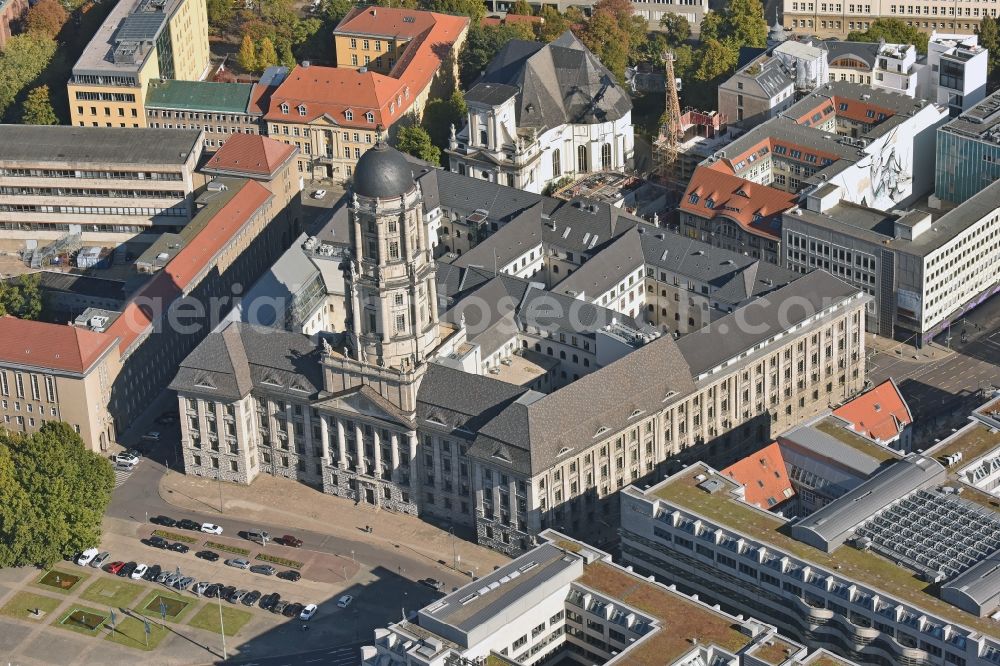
{"x": 83, "y": 620}
{"x": 131, "y": 632}
{"x": 208, "y": 618}
{"x": 177, "y": 605}
{"x": 58, "y": 580}
{"x": 22, "y": 605}
{"x": 114, "y": 592}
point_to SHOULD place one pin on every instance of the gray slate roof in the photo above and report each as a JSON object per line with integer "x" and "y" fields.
{"x": 561, "y": 82}
{"x": 85, "y": 146}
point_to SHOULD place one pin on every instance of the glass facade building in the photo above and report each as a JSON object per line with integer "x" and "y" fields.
{"x": 968, "y": 152}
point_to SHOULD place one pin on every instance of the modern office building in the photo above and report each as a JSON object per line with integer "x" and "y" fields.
{"x": 856, "y": 577}
{"x": 105, "y": 185}
{"x": 923, "y": 273}
{"x": 217, "y": 109}
{"x": 837, "y": 19}
{"x": 139, "y": 41}
{"x": 968, "y": 152}
{"x": 567, "y": 602}
{"x": 541, "y": 113}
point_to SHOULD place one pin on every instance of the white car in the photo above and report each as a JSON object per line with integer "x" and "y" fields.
{"x": 139, "y": 572}
{"x": 319, "y": 194}
{"x": 127, "y": 457}
{"x": 86, "y": 556}
{"x": 209, "y": 528}
{"x": 308, "y": 612}
{"x": 345, "y": 601}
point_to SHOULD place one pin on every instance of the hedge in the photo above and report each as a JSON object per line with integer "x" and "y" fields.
{"x": 235, "y": 550}
{"x": 273, "y": 559}
{"x": 174, "y": 536}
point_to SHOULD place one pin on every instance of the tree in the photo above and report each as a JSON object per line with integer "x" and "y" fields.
{"x": 633, "y": 30}
{"x": 711, "y": 26}
{"x": 23, "y": 59}
{"x": 989, "y": 38}
{"x": 716, "y": 60}
{"x": 21, "y": 297}
{"x": 267, "y": 55}
{"x": 46, "y": 18}
{"x": 335, "y": 10}
{"x": 38, "y": 108}
{"x": 676, "y": 28}
{"x": 521, "y": 8}
{"x": 53, "y": 493}
{"x": 287, "y": 58}
{"x": 474, "y": 9}
{"x": 482, "y": 45}
{"x": 893, "y": 31}
{"x": 554, "y": 24}
{"x": 606, "y": 40}
{"x": 415, "y": 140}
{"x": 220, "y": 15}
{"x": 247, "y": 56}
{"x": 744, "y": 24}
{"x": 441, "y": 114}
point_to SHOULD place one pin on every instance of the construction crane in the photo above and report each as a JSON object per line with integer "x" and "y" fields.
{"x": 670, "y": 132}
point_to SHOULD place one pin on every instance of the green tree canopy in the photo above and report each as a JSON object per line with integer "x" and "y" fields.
{"x": 441, "y": 114}
{"x": 37, "y": 108}
{"x": 554, "y": 24}
{"x": 605, "y": 38}
{"x": 744, "y": 24}
{"x": 989, "y": 38}
{"x": 474, "y": 9}
{"x": 53, "y": 493}
{"x": 220, "y": 15}
{"x": 711, "y": 26}
{"x": 676, "y": 28}
{"x": 335, "y": 10}
{"x": 247, "y": 55}
{"x": 415, "y": 140}
{"x": 21, "y": 61}
{"x": 46, "y": 18}
{"x": 483, "y": 43}
{"x": 267, "y": 55}
{"x": 521, "y": 8}
{"x": 716, "y": 59}
{"x": 893, "y": 31}
{"x": 21, "y": 297}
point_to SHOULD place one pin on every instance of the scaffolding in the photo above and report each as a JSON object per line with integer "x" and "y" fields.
{"x": 671, "y": 133}
{"x": 65, "y": 245}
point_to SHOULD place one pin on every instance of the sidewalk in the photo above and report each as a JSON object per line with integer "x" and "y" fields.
{"x": 930, "y": 353}
{"x": 278, "y": 501}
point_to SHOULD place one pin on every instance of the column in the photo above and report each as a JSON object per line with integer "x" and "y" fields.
{"x": 359, "y": 445}
{"x": 394, "y": 452}
{"x": 324, "y": 431}
{"x": 377, "y": 453}
{"x": 414, "y": 470}
{"x": 341, "y": 445}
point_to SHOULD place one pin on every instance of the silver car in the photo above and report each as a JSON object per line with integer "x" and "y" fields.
{"x": 184, "y": 583}
{"x": 200, "y": 588}
{"x": 172, "y": 579}
{"x": 238, "y": 562}
{"x": 100, "y": 560}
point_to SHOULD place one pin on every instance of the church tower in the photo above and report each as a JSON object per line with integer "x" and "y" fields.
{"x": 391, "y": 276}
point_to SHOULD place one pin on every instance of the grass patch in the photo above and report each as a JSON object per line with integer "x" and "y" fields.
{"x": 208, "y": 618}
{"x": 235, "y": 550}
{"x": 83, "y": 620}
{"x": 177, "y": 606}
{"x": 23, "y": 604}
{"x": 174, "y": 536}
{"x": 60, "y": 581}
{"x": 114, "y": 592}
{"x": 131, "y": 632}
{"x": 279, "y": 560}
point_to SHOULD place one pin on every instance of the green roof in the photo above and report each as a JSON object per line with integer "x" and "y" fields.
{"x": 199, "y": 96}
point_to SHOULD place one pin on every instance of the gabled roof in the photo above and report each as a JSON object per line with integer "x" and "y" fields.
{"x": 763, "y": 477}
{"x": 51, "y": 346}
{"x": 250, "y": 155}
{"x": 881, "y": 414}
{"x": 713, "y": 194}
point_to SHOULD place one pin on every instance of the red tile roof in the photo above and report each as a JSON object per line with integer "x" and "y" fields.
{"x": 880, "y": 414}
{"x": 250, "y": 154}
{"x": 178, "y": 276}
{"x": 764, "y": 477}
{"x": 333, "y": 91}
{"x": 712, "y": 194}
{"x": 52, "y": 346}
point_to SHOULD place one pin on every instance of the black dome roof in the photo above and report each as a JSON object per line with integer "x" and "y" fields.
{"x": 383, "y": 173}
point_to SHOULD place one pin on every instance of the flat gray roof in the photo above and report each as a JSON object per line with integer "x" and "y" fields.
{"x": 820, "y": 444}
{"x": 135, "y": 25}
{"x": 102, "y": 146}
{"x": 980, "y": 122}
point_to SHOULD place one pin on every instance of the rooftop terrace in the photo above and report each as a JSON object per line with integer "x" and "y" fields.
{"x": 865, "y": 567}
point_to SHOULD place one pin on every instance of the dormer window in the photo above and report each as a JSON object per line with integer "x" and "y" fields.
{"x": 370, "y": 117}
{"x": 349, "y": 115}
{"x": 693, "y": 199}
{"x": 392, "y": 108}
{"x": 284, "y": 108}
{"x": 709, "y": 203}
{"x": 601, "y": 431}
{"x": 302, "y": 109}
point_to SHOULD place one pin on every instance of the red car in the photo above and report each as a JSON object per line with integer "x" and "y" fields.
{"x": 289, "y": 540}
{"x": 115, "y": 567}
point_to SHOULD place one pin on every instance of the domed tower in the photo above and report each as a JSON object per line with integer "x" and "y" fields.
{"x": 391, "y": 278}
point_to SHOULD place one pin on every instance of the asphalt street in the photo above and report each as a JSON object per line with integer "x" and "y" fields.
{"x": 342, "y": 655}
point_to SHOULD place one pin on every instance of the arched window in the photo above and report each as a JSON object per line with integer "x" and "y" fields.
{"x": 370, "y": 117}
{"x": 349, "y": 115}
{"x": 556, "y": 163}
{"x": 606, "y": 156}
{"x": 581, "y": 158}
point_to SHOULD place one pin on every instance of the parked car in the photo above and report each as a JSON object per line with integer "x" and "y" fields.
{"x": 127, "y": 570}
{"x": 126, "y": 466}
{"x": 236, "y": 596}
{"x": 345, "y": 601}
{"x": 184, "y": 583}
{"x": 153, "y": 572}
{"x": 87, "y": 556}
{"x": 250, "y": 598}
{"x": 265, "y": 569}
{"x": 269, "y": 600}
{"x": 319, "y": 194}
{"x": 212, "y": 591}
{"x": 279, "y": 606}
{"x": 178, "y": 547}
{"x": 115, "y": 567}
{"x": 158, "y": 542}
{"x": 289, "y": 540}
{"x": 208, "y": 555}
{"x": 433, "y": 583}
{"x": 258, "y": 536}
{"x": 226, "y": 591}
{"x": 166, "y": 521}
{"x": 308, "y": 612}
{"x": 130, "y": 457}
{"x": 139, "y": 572}
{"x": 163, "y": 576}
{"x": 292, "y": 610}
{"x": 200, "y": 587}
{"x": 210, "y": 528}
{"x": 290, "y": 575}
{"x": 152, "y": 436}
{"x": 99, "y": 561}
{"x": 188, "y": 524}
{"x": 238, "y": 562}
{"x": 172, "y": 579}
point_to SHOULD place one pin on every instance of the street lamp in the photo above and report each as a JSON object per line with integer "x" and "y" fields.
{"x": 454, "y": 548}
